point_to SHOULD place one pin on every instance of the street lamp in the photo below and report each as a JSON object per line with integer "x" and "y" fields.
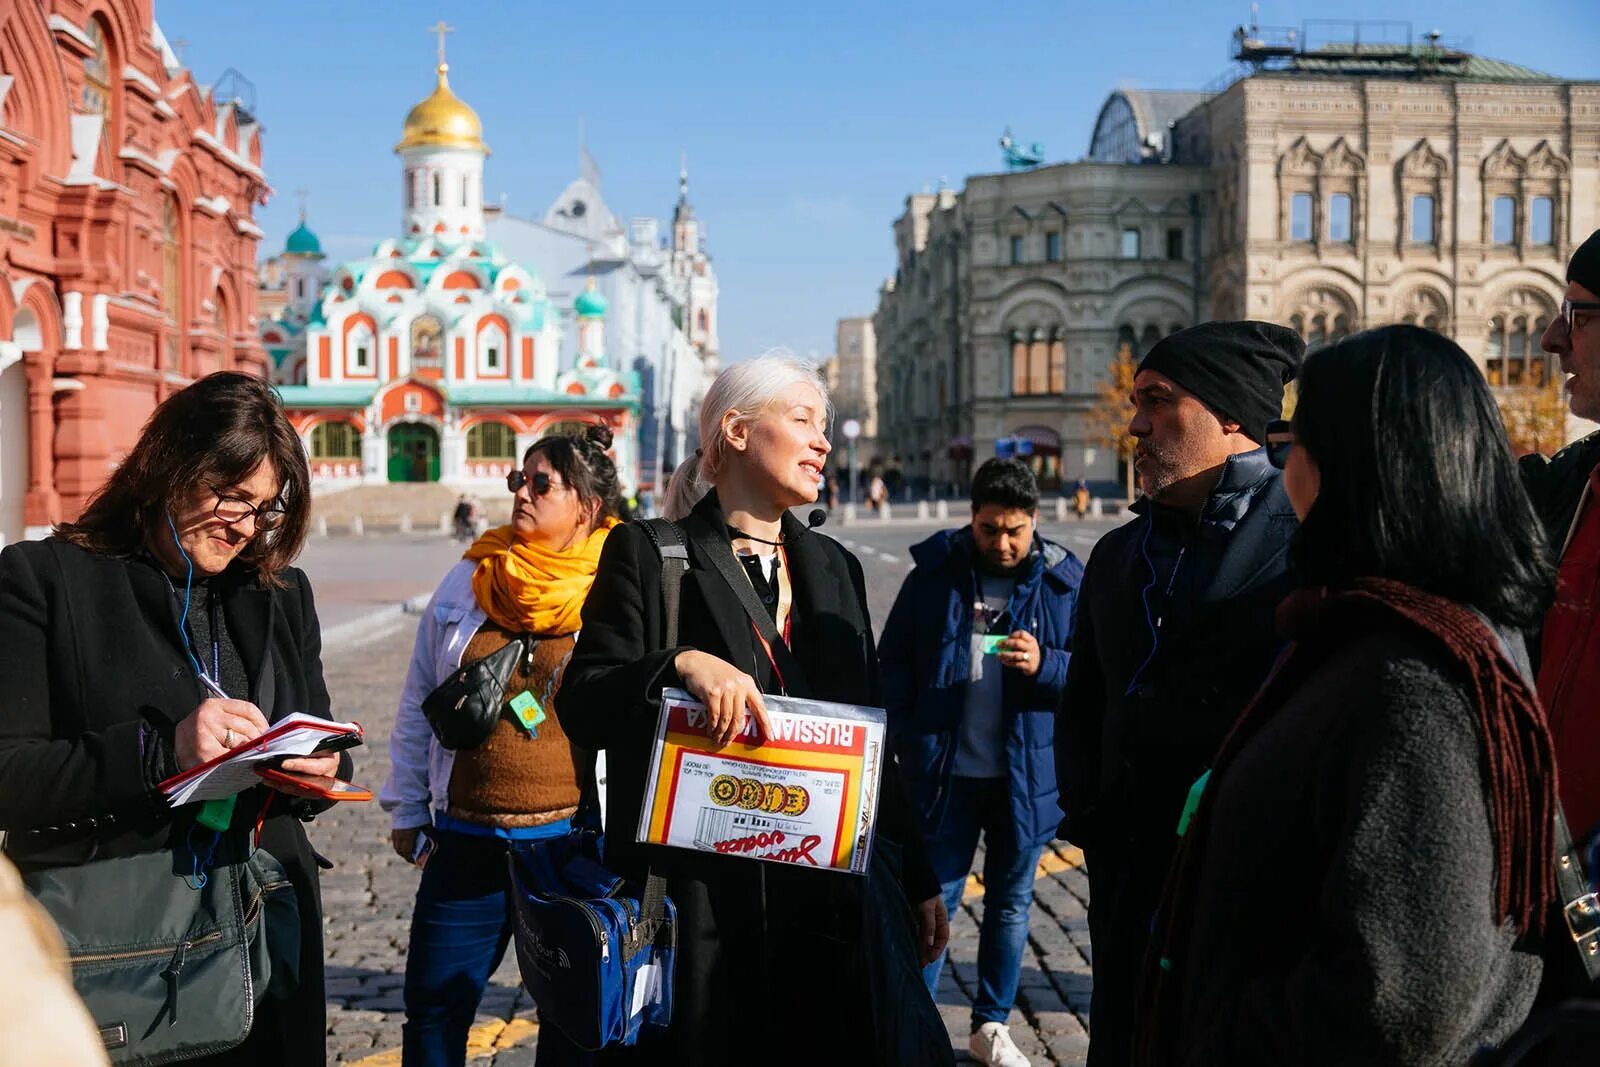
{"x": 852, "y": 430}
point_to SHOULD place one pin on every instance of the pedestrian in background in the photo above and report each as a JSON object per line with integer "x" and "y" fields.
{"x": 1080, "y": 499}
{"x": 760, "y": 945}
{"x": 974, "y": 656}
{"x": 1174, "y": 631}
{"x": 1396, "y": 754}
{"x": 116, "y": 636}
{"x": 525, "y": 581}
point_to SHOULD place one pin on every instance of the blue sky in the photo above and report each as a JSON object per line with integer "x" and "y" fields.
{"x": 806, "y": 125}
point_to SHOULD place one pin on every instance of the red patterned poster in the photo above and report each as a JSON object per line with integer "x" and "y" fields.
{"x": 805, "y": 795}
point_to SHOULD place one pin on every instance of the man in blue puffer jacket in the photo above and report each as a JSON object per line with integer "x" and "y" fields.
{"x": 974, "y": 658}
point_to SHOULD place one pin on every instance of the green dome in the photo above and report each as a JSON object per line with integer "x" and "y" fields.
{"x": 302, "y": 242}
{"x": 590, "y": 304}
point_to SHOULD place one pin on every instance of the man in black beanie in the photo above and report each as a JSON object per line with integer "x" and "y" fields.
{"x": 1174, "y": 632}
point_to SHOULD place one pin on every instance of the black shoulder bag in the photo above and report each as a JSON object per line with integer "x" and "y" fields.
{"x": 463, "y": 709}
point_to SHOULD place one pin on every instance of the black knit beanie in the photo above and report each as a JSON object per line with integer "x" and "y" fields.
{"x": 1585, "y": 266}
{"x": 1237, "y": 369}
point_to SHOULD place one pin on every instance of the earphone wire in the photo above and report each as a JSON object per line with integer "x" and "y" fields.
{"x": 198, "y": 876}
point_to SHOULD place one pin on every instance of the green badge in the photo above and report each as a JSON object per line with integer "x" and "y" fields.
{"x": 1192, "y": 804}
{"x": 525, "y": 706}
{"x": 216, "y": 814}
{"x": 991, "y": 644}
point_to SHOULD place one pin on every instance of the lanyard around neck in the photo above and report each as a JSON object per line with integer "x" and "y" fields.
{"x": 785, "y": 613}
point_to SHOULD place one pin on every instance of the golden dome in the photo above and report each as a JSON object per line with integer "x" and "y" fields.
{"x": 443, "y": 119}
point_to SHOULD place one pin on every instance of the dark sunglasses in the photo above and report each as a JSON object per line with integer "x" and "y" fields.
{"x": 1280, "y": 439}
{"x": 538, "y": 485}
{"x": 232, "y": 510}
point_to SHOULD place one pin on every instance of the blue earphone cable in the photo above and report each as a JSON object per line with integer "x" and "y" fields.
{"x": 197, "y": 878}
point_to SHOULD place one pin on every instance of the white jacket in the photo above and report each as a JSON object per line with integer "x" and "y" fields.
{"x": 419, "y": 767}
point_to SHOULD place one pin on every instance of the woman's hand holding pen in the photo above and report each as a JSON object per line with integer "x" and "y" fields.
{"x": 214, "y": 727}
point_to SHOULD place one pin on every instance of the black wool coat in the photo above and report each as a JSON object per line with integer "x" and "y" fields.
{"x": 757, "y": 941}
{"x": 93, "y": 680}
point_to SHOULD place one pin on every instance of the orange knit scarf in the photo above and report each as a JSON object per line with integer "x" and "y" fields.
{"x": 531, "y": 588}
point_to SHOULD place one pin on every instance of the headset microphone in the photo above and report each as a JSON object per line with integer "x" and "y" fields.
{"x": 816, "y": 518}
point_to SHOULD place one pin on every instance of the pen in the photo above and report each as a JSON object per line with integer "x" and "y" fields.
{"x": 205, "y": 680}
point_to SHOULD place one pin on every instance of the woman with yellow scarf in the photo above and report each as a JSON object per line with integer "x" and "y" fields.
{"x": 455, "y": 813}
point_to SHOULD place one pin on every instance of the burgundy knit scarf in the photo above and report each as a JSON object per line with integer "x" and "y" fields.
{"x": 1517, "y": 756}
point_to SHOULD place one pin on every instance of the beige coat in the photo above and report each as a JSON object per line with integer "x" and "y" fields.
{"x": 41, "y": 1017}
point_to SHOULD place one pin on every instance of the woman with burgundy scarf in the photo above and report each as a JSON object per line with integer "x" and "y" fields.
{"x": 1366, "y": 869}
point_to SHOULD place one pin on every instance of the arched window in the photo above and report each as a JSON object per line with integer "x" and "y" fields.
{"x": 438, "y": 189}
{"x": 171, "y": 277}
{"x": 492, "y": 351}
{"x": 1319, "y": 333}
{"x": 1127, "y": 346}
{"x": 1038, "y": 362}
{"x": 492, "y": 441}
{"x": 360, "y": 347}
{"x": 1516, "y": 351}
{"x": 1019, "y": 363}
{"x": 411, "y": 188}
{"x": 1058, "y": 365}
{"x": 96, "y": 98}
{"x": 335, "y": 441}
{"x": 1495, "y": 353}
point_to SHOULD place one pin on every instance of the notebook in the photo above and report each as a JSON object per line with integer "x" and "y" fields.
{"x": 235, "y": 770}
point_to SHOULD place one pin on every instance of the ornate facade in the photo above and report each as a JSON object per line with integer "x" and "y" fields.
{"x": 127, "y": 243}
{"x": 1330, "y": 190}
{"x": 436, "y": 357}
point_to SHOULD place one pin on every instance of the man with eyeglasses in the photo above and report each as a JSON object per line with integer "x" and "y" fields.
{"x": 1563, "y": 488}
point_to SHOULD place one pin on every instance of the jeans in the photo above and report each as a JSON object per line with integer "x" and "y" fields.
{"x": 459, "y": 933}
{"x": 983, "y": 805}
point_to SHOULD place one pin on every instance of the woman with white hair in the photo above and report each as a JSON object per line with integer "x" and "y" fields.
{"x": 757, "y": 942}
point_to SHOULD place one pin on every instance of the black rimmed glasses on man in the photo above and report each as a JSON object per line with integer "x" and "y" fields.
{"x": 234, "y": 510}
{"x": 1280, "y": 439}
{"x": 1571, "y": 309}
{"x": 538, "y": 485}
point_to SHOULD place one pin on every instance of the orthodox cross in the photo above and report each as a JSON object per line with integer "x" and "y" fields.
{"x": 441, "y": 29}
{"x": 301, "y": 195}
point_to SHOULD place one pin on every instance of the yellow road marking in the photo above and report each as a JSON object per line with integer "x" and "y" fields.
{"x": 485, "y": 1039}
{"x": 1056, "y": 858}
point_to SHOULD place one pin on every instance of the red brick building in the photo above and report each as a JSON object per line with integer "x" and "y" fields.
{"x": 127, "y": 244}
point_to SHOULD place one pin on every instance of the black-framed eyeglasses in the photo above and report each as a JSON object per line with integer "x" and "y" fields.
{"x": 1280, "y": 440}
{"x": 1571, "y": 309}
{"x": 540, "y": 484}
{"x": 234, "y": 510}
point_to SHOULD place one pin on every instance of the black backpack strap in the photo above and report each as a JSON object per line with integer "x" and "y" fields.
{"x": 668, "y": 539}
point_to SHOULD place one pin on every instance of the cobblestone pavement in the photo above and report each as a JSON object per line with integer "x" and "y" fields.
{"x": 368, "y": 895}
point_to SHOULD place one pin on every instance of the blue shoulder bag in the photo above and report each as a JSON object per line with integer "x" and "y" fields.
{"x": 597, "y": 952}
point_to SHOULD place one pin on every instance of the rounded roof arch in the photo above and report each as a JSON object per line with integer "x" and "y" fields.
{"x": 1133, "y": 124}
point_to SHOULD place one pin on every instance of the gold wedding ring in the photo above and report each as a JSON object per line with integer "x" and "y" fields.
{"x": 227, "y": 738}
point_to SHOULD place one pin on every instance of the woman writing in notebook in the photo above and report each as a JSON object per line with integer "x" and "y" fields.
{"x": 160, "y": 629}
{"x": 746, "y": 929}
{"x": 455, "y": 813}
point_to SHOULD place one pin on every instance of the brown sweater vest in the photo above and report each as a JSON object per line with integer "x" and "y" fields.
{"x": 513, "y": 779}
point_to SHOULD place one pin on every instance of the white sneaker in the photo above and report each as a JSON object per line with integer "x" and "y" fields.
{"x": 990, "y": 1044}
